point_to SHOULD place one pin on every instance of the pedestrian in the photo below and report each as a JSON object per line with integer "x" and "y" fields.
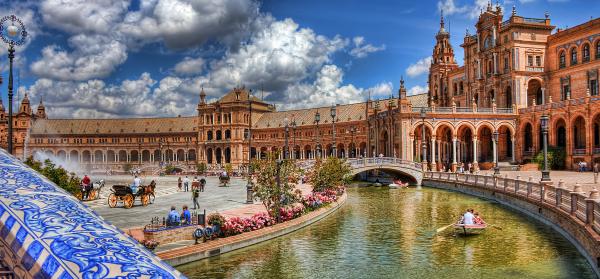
{"x": 596, "y": 169}
{"x": 202, "y": 184}
{"x": 186, "y": 184}
{"x": 179, "y": 184}
{"x": 186, "y": 216}
{"x": 195, "y": 195}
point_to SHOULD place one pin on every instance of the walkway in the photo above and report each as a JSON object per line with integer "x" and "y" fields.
{"x": 585, "y": 179}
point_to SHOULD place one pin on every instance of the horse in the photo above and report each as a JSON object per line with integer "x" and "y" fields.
{"x": 150, "y": 190}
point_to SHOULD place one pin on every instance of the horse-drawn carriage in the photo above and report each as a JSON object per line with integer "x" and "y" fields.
{"x": 124, "y": 194}
{"x": 224, "y": 180}
{"x": 90, "y": 192}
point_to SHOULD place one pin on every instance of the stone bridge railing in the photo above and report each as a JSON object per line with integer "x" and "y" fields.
{"x": 371, "y": 161}
{"x": 580, "y": 208}
{"x": 47, "y": 233}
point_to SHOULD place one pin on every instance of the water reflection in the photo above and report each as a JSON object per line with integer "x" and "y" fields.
{"x": 383, "y": 233}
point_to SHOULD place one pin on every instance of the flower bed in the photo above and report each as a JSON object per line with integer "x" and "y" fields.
{"x": 313, "y": 201}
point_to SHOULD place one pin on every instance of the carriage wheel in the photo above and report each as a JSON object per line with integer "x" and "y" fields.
{"x": 79, "y": 196}
{"x": 112, "y": 200}
{"x": 92, "y": 195}
{"x": 151, "y": 197}
{"x": 128, "y": 200}
{"x": 145, "y": 198}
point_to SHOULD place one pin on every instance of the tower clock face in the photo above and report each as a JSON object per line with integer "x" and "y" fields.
{"x": 12, "y": 30}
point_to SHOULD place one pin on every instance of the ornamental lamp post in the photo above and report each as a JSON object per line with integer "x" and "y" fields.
{"x": 294, "y": 136}
{"x": 423, "y": 143}
{"x": 317, "y": 120}
{"x": 545, "y": 171}
{"x": 333, "y": 112}
{"x": 496, "y": 167}
{"x": 13, "y": 33}
{"x": 286, "y": 154}
{"x": 353, "y": 131}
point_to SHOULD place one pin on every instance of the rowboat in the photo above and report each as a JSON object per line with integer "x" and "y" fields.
{"x": 470, "y": 229}
{"x": 398, "y": 184}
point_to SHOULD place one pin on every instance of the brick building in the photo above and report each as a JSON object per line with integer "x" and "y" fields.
{"x": 514, "y": 71}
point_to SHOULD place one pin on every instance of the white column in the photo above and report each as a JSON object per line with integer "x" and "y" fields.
{"x": 439, "y": 151}
{"x": 494, "y": 150}
{"x": 474, "y": 149}
{"x": 495, "y": 65}
{"x": 513, "y": 150}
{"x": 454, "y": 140}
{"x": 433, "y": 162}
{"x": 412, "y": 148}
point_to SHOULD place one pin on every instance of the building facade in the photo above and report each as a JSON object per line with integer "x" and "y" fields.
{"x": 487, "y": 110}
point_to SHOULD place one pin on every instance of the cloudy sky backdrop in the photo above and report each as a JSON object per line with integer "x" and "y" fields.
{"x": 140, "y": 58}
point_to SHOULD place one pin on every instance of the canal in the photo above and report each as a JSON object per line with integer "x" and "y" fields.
{"x": 390, "y": 233}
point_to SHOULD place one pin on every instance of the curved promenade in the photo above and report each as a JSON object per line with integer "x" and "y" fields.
{"x": 219, "y": 246}
{"x": 574, "y": 214}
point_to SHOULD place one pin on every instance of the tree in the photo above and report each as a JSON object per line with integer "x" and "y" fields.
{"x": 228, "y": 168}
{"x": 329, "y": 174}
{"x": 127, "y": 167}
{"x": 556, "y": 158}
{"x": 201, "y": 168}
{"x": 267, "y": 189}
{"x": 61, "y": 177}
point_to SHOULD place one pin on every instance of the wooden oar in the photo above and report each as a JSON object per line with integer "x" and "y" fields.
{"x": 495, "y": 227}
{"x": 443, "y": 228}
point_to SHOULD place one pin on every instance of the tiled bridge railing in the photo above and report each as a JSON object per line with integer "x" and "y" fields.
{"x": 371, "y": 161}
{"x": 573, "y": 213}
{"x": 45, "y": 232}
{"x": 584, "y": 207}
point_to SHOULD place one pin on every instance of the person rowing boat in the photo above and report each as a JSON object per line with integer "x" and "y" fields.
{"x": 471, "y": 222}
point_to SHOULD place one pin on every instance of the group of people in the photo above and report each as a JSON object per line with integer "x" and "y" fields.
{"x": 470, "y": 217}
{"x": 178, "y": 219}
{"x": 184, "y": 184}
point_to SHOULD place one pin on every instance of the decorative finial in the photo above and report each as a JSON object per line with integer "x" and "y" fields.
{"x": 489, "y": 6}
{"x": 546, "y": 14}
{"x": 467, "y": 34}
{"x": 401, "y": 81}
{"x": 514, "y": 10}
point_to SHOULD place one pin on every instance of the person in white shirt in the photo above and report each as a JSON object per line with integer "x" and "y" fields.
{"x": 136, "y": 183}
{"x": 468, "y": 217}
{"x": 186, "y": 184}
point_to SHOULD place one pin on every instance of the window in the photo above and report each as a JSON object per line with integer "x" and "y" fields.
{"x": 574, "y": 56}
{"x": 598, "y": 49}
{"x": 586, "y": 53}
{"x": 565, "y": 93}
{"x": 505, "y": 38}
{"x": 562, "y": 60}
{"x": 506, "y": 63}
{"x": 529, "y": 60}
{"x": 538, "y": 61}
{"x": 593, "y": 87}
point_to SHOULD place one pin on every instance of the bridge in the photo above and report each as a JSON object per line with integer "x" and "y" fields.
{"x": 391, "y": 165}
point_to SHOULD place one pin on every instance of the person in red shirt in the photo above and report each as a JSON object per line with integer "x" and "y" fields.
{"x": 85, "y": 186}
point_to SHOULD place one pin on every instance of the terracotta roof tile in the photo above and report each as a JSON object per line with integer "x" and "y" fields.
{"x": 345, "y": 113}
{"x": 419, "y": 100}
{"x": 115, "y": 126}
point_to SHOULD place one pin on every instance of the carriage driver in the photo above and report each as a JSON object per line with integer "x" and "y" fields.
{"x": 136, "y": 184}
{"x": 85, "y": 187}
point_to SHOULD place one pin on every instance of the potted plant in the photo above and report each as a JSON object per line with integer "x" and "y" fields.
{"x": 216, "y": 220}
{"x": 150, "y": 244}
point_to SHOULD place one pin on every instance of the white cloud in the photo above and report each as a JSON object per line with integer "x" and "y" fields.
{"x": 417, "y": 89}
{"x": 76, "y": 16}
{"x": 419, "y": 68}
{"x": 361, "y": 50}
{"x": 94, "y": 56}
{"x": 449, "y": 7}
{"x": 190, "y": 66}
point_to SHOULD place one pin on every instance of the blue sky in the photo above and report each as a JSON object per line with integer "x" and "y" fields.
{"x": 122, "y": 58}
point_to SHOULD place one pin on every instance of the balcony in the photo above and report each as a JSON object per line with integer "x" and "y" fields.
{"x": 536, "y": 69}
{"x": 578, "y": 151}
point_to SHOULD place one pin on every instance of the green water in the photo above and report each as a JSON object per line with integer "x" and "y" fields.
{"x": 383, "y": 233}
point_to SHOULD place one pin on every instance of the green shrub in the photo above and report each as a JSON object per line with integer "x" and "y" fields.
{"x": 330, "y": 173}
{"x": 556, "y": 158}
{"x": 61, "y": 177}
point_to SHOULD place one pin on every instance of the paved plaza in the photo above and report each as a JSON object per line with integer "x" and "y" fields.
{"x": 214, "y": 198}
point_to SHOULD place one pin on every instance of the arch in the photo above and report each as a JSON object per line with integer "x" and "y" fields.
{"x": 465, "y": 125}
{"x": 341, "y": 151}
{"x": 192, "y": 155}
{"x": 86, "y": 156}
{"x": 596, "y": 133}
{"x": 308, "y": 152}
{"x": 296, "y": 152}
{"x": 384, "y": 143}
{"x": 180, "y": 155}
{"x": 227, "y": 134}
{"x": 508, "y": 97}
{"x": 122, "y": 156}
{"x": 145, "y": 156}
{"x": 444, "y": 124}
{"x": 157, "y": 155}
{"x": 209, "y": 156}
{"x": 219, "y": 135}
{"x": 573, "y": 56}
{"x": 62, "y": 155}
{"x": 98, "y": 156}
{"x": 445, "y": 146}
{"x": 74, "y": 155}
{"x": 418, "y": 124}
{"x": 218, "y": 156}
{"x": 562, "y": 59}
{"x": 484, "y": 141}
{"x": 485, "y": 124}
{"x": 506, "y": 125}
{"x": 527, "y": 134}
{"x": 169, "y": 155}
{"x": 534, "y": 92}
{"x": 227, "y": 155}
{"x": 560, "y": 132}
{"x": 110, "y": 156}
{"x": 586, "y": 52}
{"x": 421, "y": 145}
{"x": 505, "y": 142}
{"x": 134, "y": 156}
{"x": 263, "y": 152}
{"x": 209, "y": 135}
{"x": 464, "y": 134}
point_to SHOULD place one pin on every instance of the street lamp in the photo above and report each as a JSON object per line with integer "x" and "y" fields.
{"x": 545, "y": 171}
{"x": 496, "y": 167}
{"x": 317, "y": 120}
{"x": 286, "y": 122}
{"x": 423, "y": 144}
{"x": 139, "y": 154}
{"x": 12, "y": 32}
{"x": 333, "y": 111}
{"x": 294, "y": 135}
{"x": 353, "y": 131}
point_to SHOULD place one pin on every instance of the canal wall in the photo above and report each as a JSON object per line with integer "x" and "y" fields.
{"x": 220, "y": 246}
{"x": 574, "y": 214}
{"x": 46, "y": 232}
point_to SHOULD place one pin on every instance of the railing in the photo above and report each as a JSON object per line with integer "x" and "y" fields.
{"x": 596, "y": 150}
{"x": 585, "y": 208}
{"x": 504, "y": 110}
{"x": 579, "y": 151}
{"x": 534, "y": 20}
{"x": 560, "y": 104}
{"x": 370, "y": 161}
{"x": 534, "y": 69}
{"x": 461, "y": 110}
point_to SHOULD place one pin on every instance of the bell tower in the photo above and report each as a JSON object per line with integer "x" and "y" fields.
{"x": 442, "y": 62}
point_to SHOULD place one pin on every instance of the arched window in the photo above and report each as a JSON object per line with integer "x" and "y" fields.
{"x": 598, "y": 49}
{"x": 487, "y": 42}
{"x": 573, "y": 56}
{"x": 219, "y": 135}
{"x": 586, "y": 53}
{"x": 562, "y": 60}
{"x": 209, "y": 135}
{"x": 227, "y": 134}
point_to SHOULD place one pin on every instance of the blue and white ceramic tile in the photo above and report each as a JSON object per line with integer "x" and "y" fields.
{"x": 47, "y": 233}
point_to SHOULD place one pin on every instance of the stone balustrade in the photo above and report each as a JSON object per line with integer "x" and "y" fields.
{"x": 575, "y": 214}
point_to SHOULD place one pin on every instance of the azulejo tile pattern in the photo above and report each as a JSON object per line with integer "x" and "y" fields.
{"x": 46, "y": 233}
